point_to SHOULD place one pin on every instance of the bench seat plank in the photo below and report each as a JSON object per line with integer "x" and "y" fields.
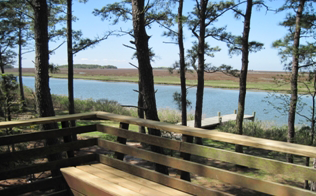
{"x": 90, "y": 185}
{"x": 118, "y": 178}
{"x": 99, "y": 179}
{"x": 132, "y": 178}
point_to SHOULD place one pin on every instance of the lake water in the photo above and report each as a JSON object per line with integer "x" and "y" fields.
{"x": 215, "y": 100}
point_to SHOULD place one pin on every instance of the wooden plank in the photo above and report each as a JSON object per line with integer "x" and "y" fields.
{"x": 67, "y": 138}
{"x": 186, "y": 156}
{"x": 285, "y": 147}
{"x": 211, "y": 172}
{"x": 38, "y": 185}
{"x": 121, "y": 140}
{"x": 121, "y": 181}
{"x": 44, "y": 151}
{"x": 214, "y": 121}
{"x": 175, "y": 183}
{"x": 141, "y": 137}
{"x": 89, "y": 184}
{"x": 46, "y": 120}
{"x": 22, "y": 171}
{"x": 76, "y": 193}
{"x": 25, "y": 137}
{"x": 268, "y": 165}
{"x": 132, "y": 178}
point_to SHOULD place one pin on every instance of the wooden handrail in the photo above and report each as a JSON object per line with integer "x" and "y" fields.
{"x": 46, "y": 120}
{"x": 268, "y": 165}
{"x": 266, "y": 144}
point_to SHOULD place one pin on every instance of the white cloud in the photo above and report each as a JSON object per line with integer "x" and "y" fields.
{"x": 84, "y": 59}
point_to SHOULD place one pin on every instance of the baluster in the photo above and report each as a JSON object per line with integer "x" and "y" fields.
{"x": 121, "y": 140}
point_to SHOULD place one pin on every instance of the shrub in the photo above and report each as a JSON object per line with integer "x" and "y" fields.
{"x": 257, "y": 129}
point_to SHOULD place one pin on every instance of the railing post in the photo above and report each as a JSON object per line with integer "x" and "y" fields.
{"x": 219, "y": 118}
{"x": 67, "y": 138}
{"x": 121, "y": 140}
{"x": 254, "y": 116}
{"x": 186, "y": 156}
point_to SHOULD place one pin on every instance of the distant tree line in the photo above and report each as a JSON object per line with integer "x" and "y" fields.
{"x": 89, "y": 66}
{"x": 8, "y": 67}
{"x": 161, "y": 67}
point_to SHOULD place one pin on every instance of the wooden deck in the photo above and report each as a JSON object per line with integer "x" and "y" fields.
{"x": 101, "y": 174}
{"x": 212, "y": 122}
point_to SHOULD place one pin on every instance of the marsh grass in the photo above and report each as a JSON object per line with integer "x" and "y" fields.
{"x": 173, "y": 80}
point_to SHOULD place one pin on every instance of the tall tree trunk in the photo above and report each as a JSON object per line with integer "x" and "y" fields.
{"x": 182, "y": 66}
{"x": 294, "y": 75}
{"x": 306, "y": 184}
{"x": 140, "y": 110}
{"x": 145, "y": 72}
{"x": 200, "y": 71}
{"x": 1, "y": 62}
{"x": 70, "y": 65}
{"x": 185, "y": 138}
{"x": 243, "y": 74}
{"x": 44, "y": 104}
{"x": 20, "y": 68}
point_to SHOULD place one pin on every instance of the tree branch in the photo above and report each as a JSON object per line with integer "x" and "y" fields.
{"x": 170, "y": 42}
{"x": 133, "y": 65}
{"x": 91, "y": 43}
{"x": 127, "y": 46}
{"x": 50, "y": 52}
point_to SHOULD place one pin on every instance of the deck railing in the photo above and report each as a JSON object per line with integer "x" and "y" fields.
{"x": 57, "y": 183}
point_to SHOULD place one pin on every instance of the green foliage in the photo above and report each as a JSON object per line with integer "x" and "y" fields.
{"x": 8, "y": 94}
{"x": 52, "y": 68}
{"x": 257, "y": 129}
{"x": 177, "y": 99}
{"x": 89, "y": 66}
{"x": 171, "y": 116}
{"x": 8, "y": 67}
{"x": 7, "y": 36}
{"x": 160, "y": 67}
{"x": 306, "y": 51}
{"x": 155, "y": 11}
{"x": 88, "y": 105}
{"x": 235, "y": 46}
{"x": 264, "y": 130}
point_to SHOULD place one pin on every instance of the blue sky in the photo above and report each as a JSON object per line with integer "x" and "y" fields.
{"x": 264, "y": 28}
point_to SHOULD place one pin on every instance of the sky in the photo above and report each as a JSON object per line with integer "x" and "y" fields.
{"x": 265, "y": 28}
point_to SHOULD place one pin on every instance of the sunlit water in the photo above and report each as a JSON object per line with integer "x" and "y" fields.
{"x": 215, "y": 99}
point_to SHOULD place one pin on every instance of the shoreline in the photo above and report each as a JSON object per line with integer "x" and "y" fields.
{"x": 168, "y": 84}
{"x": 175, "y": 84}
{"x": 257, "y": 81}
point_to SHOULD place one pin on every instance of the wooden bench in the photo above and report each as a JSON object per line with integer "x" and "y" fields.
{"x": 100, "y": 179}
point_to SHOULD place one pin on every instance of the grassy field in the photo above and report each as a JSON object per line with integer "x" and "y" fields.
{"x": 256, "y": 80}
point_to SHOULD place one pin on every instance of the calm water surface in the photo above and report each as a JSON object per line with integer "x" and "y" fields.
{"x": 215, "y": 100}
